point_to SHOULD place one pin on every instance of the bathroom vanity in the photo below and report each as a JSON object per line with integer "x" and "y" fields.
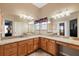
{"x": 27, "y": 45}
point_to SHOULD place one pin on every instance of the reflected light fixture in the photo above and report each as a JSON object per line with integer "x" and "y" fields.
{"x": 62, "y": 13}
{"x": 32, "y": 22}
{"x": 25, "y": 17}
{"x": 49, "y": 22}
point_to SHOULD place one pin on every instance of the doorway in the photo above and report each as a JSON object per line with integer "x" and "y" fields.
{"x": 73, "y": 28}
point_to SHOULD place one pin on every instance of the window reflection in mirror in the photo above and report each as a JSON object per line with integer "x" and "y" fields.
{"x": 8, "y": 28}
{"x": 62, "y": 29}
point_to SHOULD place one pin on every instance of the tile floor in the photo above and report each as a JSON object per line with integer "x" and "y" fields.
{"x": 39, "y": 53}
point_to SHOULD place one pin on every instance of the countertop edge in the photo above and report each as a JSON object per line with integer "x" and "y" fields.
{"x": 74, "y": 42}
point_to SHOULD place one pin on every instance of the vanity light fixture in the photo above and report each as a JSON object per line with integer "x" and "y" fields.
{"x": 62, "y": 13}
{"x": 26, "y": 17}
{"x": 49, "y": 22}
{"x": 32, "y": 22}
{"x": 30, "y": 17}
{"x": 22, "y": 16}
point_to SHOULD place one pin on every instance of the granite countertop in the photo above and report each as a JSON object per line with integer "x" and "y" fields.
{"x": 57, "y": 38}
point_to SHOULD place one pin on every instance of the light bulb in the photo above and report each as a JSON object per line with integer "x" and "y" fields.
{"x": 31, "y": 22}
{"x": 54, "y": 17}
{"x": 49, "y": 22}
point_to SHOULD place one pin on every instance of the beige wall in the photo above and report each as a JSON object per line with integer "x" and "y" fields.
{"x": 14, "y": 8}
{"x": 50, "y": 8}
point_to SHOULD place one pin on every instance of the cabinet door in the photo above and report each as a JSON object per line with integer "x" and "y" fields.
{"x": 1, "y": 50}
{"x": 22, "y": 48}
{"x": 10, "y": 49}
{"x": 30, "y": 45}
{"x": 52, "y": 47}
{"x": 44, "y": 43}
{"x": 36, "y": 43}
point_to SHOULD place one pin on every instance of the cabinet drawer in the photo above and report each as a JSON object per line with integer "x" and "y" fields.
{"x": 68, "y": 45}
{"x": 52, "y": 41}
{"x": 63, "y": 44}
{"x": 12, "y": 45}
{"x": 22, "y": 42}
{"x": 36, "y": 38}
{"x": 73, "y": 46}
{"x": 30, "y": 40}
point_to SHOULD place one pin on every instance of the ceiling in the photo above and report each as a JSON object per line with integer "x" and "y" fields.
{"x": 39, "y": 5}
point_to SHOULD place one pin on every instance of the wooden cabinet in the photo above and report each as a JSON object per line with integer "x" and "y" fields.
{"x": 25, "y": 47}
{"x": 52, "y": 47}
{"x": 22, "y": 48}
{"x": 10, "y": 49}
{"x": 30, "y": 45}
{"x": 36, "y": 43}
{"x": 44, "y": 43}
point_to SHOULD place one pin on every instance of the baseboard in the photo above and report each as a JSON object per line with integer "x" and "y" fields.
{"x": 60, "y": 54}
{"x": 31, "y": 52}
{"x": 47, "y": 52}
